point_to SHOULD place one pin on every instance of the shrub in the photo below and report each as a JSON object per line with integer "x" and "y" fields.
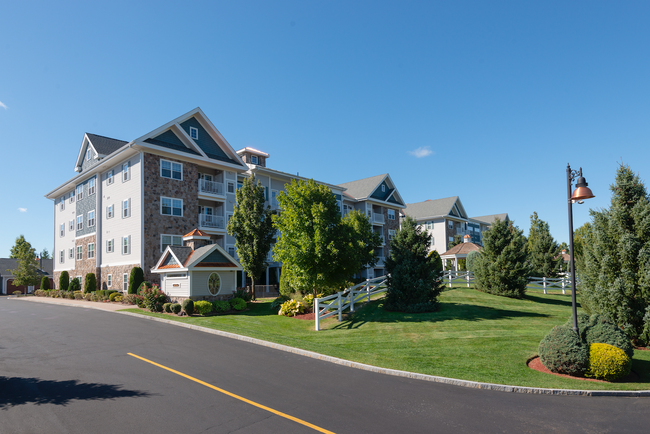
{"x": 90, "y": 283}
{"x": 277, "y": 303}
{"x": 132, "y": 299}
{"x": 152, "y": 298}
{"x": 285, "y": 283}
{"x": 291, "y": 308}
{"x": 119, "y": 298}
{"x": 203, "y": 307}
{"x": 76, "y": 295}
{"x": 75, "y": 285}
{"x": 563, "y": 352}
{"x": 608, "y": 362}
{"x": 135, "y": 279}
{"x": 602, "y": 332}
{"x": 64, "y": 281}
{"x": 238, "y": 303}
{"x": 243, "y": 294}
{"x": 176, "y": 308}
{"x": 221, "y": 306}
{"x": 88, "y": 297}
{"x": 470, "y": 261}
{"x": 114, "y": 295}
{"x": 45, "y": 283}
{"x": 188, "y": 306}
{"x": 17, "y": 293}
{"x": 40, "y": 293}
{"x": 308, "y": 301}
{"x": 144, "y": 286}
{"x": 167, "y": 307}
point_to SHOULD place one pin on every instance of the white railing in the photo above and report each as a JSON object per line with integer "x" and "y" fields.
{"x": 544, "y": 283}
{"x": 345, "y": 299}
{"x": 454, "y": 276}
{"x": 377, "y": 218}
{"x": 211, "y": 221}
{"x": 211, "y": 187}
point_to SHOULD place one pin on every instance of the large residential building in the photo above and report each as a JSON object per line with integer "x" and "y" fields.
{"x": 130, "y": 200}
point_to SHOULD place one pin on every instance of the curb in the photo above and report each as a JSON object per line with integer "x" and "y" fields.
{"x": 385, "y": 371}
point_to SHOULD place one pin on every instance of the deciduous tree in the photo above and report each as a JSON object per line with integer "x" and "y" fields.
{"x": 27, "y": 272}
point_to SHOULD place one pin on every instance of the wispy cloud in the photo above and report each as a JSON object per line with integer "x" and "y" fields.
{"x": 422, "y": 151}
{"x": 3, "y": 105}
{"x": 22, "y": 209}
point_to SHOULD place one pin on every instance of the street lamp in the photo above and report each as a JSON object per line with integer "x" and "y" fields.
{"x": 579, "y": 194}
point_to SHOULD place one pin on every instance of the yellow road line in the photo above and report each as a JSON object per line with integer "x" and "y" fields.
{"x": 225, "y": 392}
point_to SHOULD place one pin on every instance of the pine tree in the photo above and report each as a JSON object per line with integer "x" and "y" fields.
{"x": 543, "y": 252}
{"x": 64, "y": 281}
{"x": 615, "y": 276}
{"x": 414, "y": 282}
{"x": 502, "y": 267}
{"x": 90, "y": 283}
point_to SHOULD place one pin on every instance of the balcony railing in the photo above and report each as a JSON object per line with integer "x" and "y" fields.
{"x": 378, "y": 218}
{"x": 211, "y": 187}
{"x": 211, "y": 221}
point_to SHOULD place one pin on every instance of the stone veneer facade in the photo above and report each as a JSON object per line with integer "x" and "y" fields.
{"x": 117, "y": 276}
{"x": 155, "y": 223}
{"x": 389, "y": 224}
{"x": 86, "y": 265}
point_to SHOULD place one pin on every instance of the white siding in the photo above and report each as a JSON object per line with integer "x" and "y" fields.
{"x": 118, "y": 227}
{"x": 176, "y": 286}
{"x": 200, "y": 282}
{"x": 68, "y": 240}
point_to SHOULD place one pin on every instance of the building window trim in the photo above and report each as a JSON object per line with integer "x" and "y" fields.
{"x": 171, "y": 170}
{"x": 80, "y": 253}
{"x": 109, "y": 280}
{"x": 194, "y": 133}
{"x": 91, "y": 186}
{"x": 126, "y": 171}
{"x": 110, "y": 246}
{"x": 174, "y": 240}
{"x": 109, "y": 177}
{"x": 91, "y": 219}
{"x": 80, "y": 222}
{"x": 91, "y": 250}
{"x": 170, "y": 206}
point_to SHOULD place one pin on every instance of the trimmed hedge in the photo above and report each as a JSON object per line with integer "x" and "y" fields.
{"x": 238, "y": 304}
{"x": 203, "y": 307}
{"x": 563, "y": 352}
{"x": 221, "y": 305}
{"x": 64, "y": 281}
{"x": 608, "y": 362}
{"x": 176, "y": 308}
{"x": 188, "y": 306}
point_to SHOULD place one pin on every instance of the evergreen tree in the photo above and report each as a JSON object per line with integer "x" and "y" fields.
{"x": 252, "y": 227}
{"x": 615, "y": 275}
{"x": 75, "y": 285}
{"x": 21, "y": 247}
{"x": 502, "y": 267}
{"x": 45, "y": 254}
{"x": 135, "y": 280}
{"x": 64, "y": 281}
{"x": 544, "y": 254}
{"x": 90, "y": 283}
{"x": 45, "y": 283}
{"x": 414, "y": 276}
{"x": 471, "y": 259}
{"x": 457, "y": 240}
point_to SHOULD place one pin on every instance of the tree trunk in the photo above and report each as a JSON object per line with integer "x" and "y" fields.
{"x": 253, "y": 288}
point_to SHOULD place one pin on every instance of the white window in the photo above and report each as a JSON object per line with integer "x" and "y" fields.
{"x": 109, "y": 246}
{"x": 169, "y": 169}
{"x": 383, "y": 188}
{"x": 170, "y": 206}
{"x": 231, "y": 251}
{"x": 80, "y": 253}
{"x": 231, "y": 187}
{"x": 170, "y": 240}
{"x": 450, "y": 224}
{"x": 109, "y": 211}
{"x": 91, "y": 218}
{"x": 109, "y": 280}
{"x": 72, "y": 197}
{"x": 391, "y": 214}
{"x": 109, "y": 177}
{"x": 71, "y": 225}
{"x": 62, "y": 230}
{"x": 125, "y": 282}
{"x": 71, "y": 253}
{"x": 91, "y": 186}
{"x": 80, "y": 192}
{"x": 194, "y": 133}
{"x": 391, "y": 234}
{"x": 91, "y": 250}
{"x": 62, "y": 204}
{"x": 126, "y": 171}
{"x": 126, "y": 245}
{"x": 80, "y": 222}
{"x": 89, "y": 154}
{"x": 254, "y": 159}
{"x": 451, "y": 239}
{"x": 228, "y": 217}
{"x": 61, "y": 256}
{"x": 126, "y": 208}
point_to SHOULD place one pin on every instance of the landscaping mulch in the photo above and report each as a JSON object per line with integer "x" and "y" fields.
{"x": 308, "y": 316}
{"x": 536, "y": 364}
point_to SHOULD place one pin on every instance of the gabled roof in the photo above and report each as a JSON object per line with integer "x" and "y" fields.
{"x": 462, "y": 249}
{"x": 369, "y": 188}
{"x": 489, "y": 219}
{"x": 447, "y": 207}
{"x": 181, "y": 258}
{"x": 101, "y": 145}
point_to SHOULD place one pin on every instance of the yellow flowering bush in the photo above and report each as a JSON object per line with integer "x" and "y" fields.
{"x": 607, "y": 362}
{"x": 291, "y": 308}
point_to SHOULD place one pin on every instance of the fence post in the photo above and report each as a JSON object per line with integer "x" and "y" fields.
{"x": 563, "y": 284}
{"x": 317, "y": 311}
{"x": 351, "y": 301}
{"x": 467, "y": 276}
{"x": 544, "y": 284}
{"x": 449, "y": 279}
{"x": 368, "y": 290}
{"x": 339, "y": 303}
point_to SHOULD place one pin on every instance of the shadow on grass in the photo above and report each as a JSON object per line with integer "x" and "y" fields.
{"x": 374, "y": 312}
{"x": 18, "y": 391}
{"x": 546, "y": 300}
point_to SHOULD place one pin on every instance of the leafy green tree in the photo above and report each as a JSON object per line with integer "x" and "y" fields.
{"x": 502, "y": 267}
{"x": 414, "y": 282}
{"x": 252, "y": 226}
{"x": 45, "y": 283}
{"x": 27, "y": 272}
{"x": 90, "y": 283}
{"x": 75, "y": 285}
{"x": 544, "y": 254}
{"x": 357, "y": 246}
{"x": 135, "y": 280}
{"x": 45, "y": 254}
{"x": 21, "y": 246}
{"x": 564, "y": 246}
{"x": 64, "y": 281}
{"x": 615, "y": 276}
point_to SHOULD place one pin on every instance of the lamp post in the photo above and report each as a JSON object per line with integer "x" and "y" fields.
{"x": 579, "y": 194}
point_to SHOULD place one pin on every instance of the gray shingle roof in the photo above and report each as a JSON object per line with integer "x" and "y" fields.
{"x": 182, "y": 253}
{"x": 362, "y": 188}
{"x": 7, "y": 264}
{"x": 489, "y": 219}
{"x": 430, "y": 208}
{"x": 105, "y": 145}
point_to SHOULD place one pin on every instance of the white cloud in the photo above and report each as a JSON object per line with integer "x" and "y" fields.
{"x": 3, "y": 105}
{"x": 22, "y": 209}
{"x": 422, "y": 151}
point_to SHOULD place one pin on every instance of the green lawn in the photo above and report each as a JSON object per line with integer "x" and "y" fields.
{"x": 474, "y": 336}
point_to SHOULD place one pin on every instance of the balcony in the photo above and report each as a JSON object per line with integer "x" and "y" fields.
{"x": 211, "y": 187}
{"x": 377, "y": 219}
{"x": 211, "y": 221}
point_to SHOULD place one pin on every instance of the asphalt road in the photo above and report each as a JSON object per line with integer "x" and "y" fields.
{"x": 68, "y": 370}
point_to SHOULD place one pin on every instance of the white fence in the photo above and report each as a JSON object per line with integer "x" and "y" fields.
{"x": 345, "y": 299}
{"x": 544, "y": 283}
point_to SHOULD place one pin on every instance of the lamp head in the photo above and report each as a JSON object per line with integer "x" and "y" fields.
{"x": 582, "y": 191}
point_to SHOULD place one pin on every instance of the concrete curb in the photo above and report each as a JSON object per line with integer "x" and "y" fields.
{"x": 393, "y": 372}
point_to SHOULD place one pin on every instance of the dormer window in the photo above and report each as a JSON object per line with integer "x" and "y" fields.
{"x": 194, "y": 133}
{"x": 383, "y": 188}
{"x": 89, "y": 154}
{"x": 254, "y": 159}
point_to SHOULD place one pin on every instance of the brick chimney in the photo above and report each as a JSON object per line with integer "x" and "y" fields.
{"x": 196, "y": 239}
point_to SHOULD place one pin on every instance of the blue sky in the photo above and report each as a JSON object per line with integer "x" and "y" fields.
{"x": 488, "y": 101}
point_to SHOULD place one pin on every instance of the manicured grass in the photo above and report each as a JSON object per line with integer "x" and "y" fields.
{"x": 474, "y": 336}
